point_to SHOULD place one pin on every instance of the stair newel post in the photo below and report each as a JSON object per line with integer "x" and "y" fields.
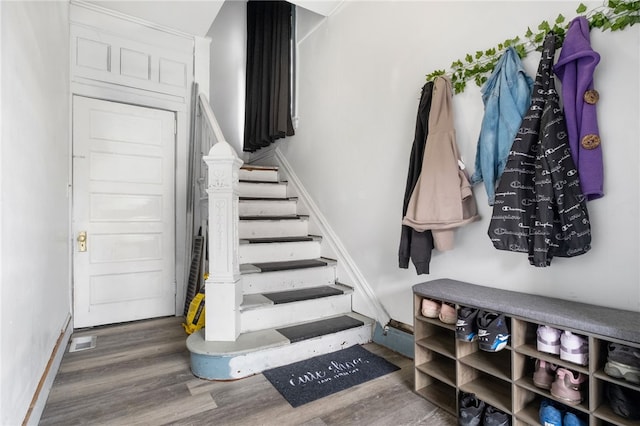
{"x": 223, "y": 288}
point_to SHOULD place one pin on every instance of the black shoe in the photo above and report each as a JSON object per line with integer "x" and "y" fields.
{"x": 471, "y": 409}
{"x": 466, "y": 327}
{"x": 495, "y": 417}
{"x": 623, "y": 362}
{"x": 623, "y": 401}
{"x": 493, "y": 333}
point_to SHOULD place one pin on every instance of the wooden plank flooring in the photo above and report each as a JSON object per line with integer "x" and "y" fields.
{"x": 139, "y": 374}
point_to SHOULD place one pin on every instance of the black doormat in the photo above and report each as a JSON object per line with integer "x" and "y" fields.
{"x": 309, "y": 330}
{"x": 308, "y": 380}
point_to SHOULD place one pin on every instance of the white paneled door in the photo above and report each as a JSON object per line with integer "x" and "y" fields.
{"x": 123, "y": 212}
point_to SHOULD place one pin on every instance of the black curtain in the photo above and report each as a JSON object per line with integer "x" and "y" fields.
{"x": 268, "y": 88}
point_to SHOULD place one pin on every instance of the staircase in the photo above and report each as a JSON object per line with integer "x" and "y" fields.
{"x": 292, "y": 306}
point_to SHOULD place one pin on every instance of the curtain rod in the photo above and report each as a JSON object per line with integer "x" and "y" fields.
{"x": 613, "y": 15}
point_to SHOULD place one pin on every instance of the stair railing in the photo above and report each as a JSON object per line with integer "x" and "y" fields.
{"x": 223, "y": 287}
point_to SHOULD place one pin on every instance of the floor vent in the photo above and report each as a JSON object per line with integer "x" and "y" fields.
{"x": 82, "y": 343}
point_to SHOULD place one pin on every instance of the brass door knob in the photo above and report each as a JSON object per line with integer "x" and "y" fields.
{"x": 82, "y": 241}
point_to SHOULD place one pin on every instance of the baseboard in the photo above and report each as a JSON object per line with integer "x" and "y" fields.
{"x": 46, "y": 381}
{"x": 395, "y": 339}
{"x": 356, "y": 278}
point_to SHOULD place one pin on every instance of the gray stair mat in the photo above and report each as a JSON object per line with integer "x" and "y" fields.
{"x": 302, "y": 294}
{"x": 310, "y": 330}
{"x": 277, "y": 240}
{"x": 290, "y": 264}
{"x": 267, "y": 199}
{"x": 283, "y": 217}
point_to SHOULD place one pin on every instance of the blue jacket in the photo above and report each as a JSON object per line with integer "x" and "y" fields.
{"x": 506, "y": 96}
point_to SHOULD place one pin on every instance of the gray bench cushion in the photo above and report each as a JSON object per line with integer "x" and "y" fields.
{"x": 592, "y": 319}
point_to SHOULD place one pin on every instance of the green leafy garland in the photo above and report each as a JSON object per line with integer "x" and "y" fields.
{"x": 614, "y": 16}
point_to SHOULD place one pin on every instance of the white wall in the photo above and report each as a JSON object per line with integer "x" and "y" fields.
{"x": 191, "y": 17}
{"x": 228, "y": 67}
{"x": 360, "y": 76}
{"x": 34, "y": 258}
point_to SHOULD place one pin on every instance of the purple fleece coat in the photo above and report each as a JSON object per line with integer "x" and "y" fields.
{"x": 575, "y": 67}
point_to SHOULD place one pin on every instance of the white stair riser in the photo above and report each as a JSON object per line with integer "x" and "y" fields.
{"x": 292, "y": 279}
{"x": 245, "y": 364}
{"x": 260, "y": 361}
{"x": 278, "y": 252}
{"x": 273, "y": 228}
{"x": 262, "y": 190}
{"x": 259, "y": 175}
{"x": 284, "y": 314}
{"x": 267, "y": 208}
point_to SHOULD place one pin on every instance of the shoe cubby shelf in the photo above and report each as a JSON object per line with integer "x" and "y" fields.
{"x": 445, "y": 366}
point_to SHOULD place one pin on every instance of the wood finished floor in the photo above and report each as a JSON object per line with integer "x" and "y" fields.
{"x": 139, "y": 374}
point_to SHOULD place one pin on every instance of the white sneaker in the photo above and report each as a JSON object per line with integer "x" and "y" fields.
{"x": 574, "y": 348}
{"x": 548, "y": 339}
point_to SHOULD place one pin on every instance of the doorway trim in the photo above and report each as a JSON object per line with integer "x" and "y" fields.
{"x": 97, "y": 71}
{"x": 182, "y": 113}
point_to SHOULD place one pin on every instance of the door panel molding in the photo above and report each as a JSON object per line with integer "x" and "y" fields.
{"x": 121, "y": 243}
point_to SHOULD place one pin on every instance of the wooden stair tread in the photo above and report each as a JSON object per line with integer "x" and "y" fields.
{"x": 290, "y": 264}
{"x": 323, "y": 327}
{"x": 283, "y": 217}
{"x": 268, "y": 339}
{"x": 256, "y": 167}
{"x": 298, "y": 295}
{"x": 278, "y": 239}
{"x": 264, "y": 182}
{"x": 267, "y": 199}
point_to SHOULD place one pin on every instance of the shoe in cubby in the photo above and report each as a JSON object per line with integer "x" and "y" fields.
{"x": 551, "y": 413}
{"x": 430, "y": 308}
{"x": 493, "y": 332}
{"x": 548, "y": 339}
{"x": 623, "y": 362}
{"x": 623, "y": 401}
{"x": 574, "y": 348}
{"x": 466, "y": 327}
{"x": 544, "y": 374}
{"x": 448, "y": 314}
{"x": 471, "y": 410}
{"x": 566, "y": 386}
{"x": 572, "y": 419}
{"x": 494, "y": 417}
